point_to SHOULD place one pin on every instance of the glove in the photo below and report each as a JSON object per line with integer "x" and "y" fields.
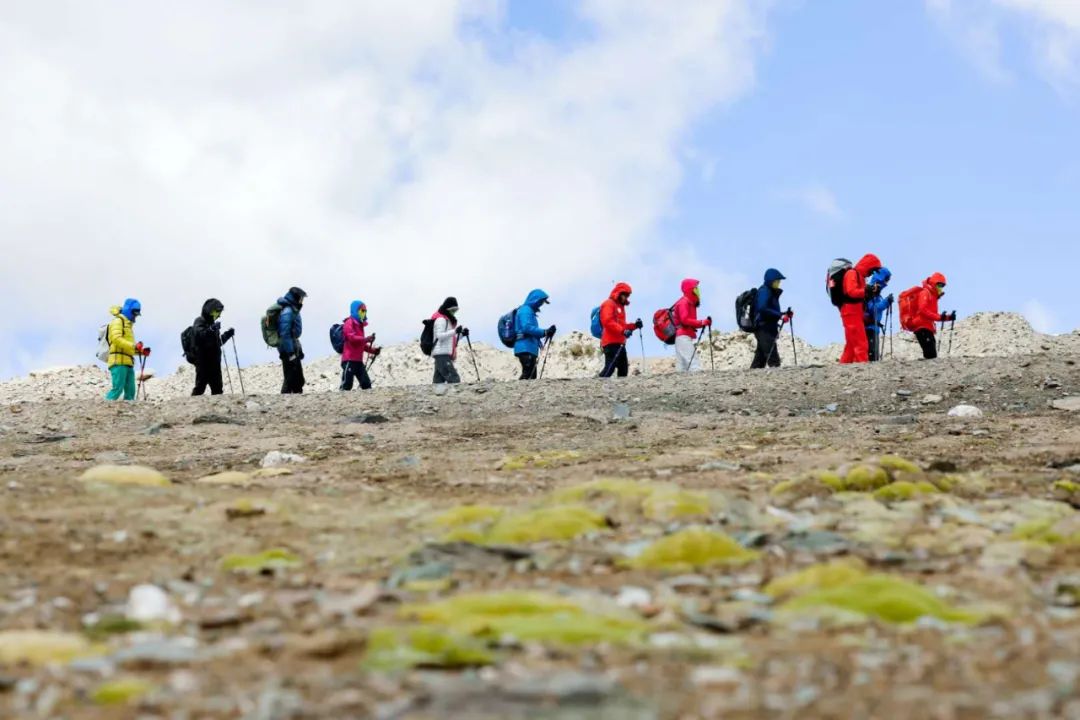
{"x": 890, "y": 298}
{"x": 785, "y": 319}
{"x": 227, "y": 335}
{"x": 145, "y": 352}
{"x": 628, "y": 333}
{"x": 374, "y": 352}
{"x": 550, "y": 332}
{"x": 458, "y": 330}
{"x": 639, "y": 324}
{"x": 138, "y": 348}
{"x": 708, "y": 321}
{"x": 464, "y": 332}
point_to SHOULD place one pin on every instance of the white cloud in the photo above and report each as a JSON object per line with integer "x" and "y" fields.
{"x": 177, "y": 151}
{"x": 1040, "y": 317}
{"x": 819, "y": 200}
{"x": 975, "y": 30}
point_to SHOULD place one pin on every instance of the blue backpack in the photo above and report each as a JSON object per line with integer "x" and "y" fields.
{"x": 337, "y": 337}
{"x": 596, "y": 326}
{"x": 508, "y": 328}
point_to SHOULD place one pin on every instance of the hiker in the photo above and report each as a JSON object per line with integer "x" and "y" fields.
{"x": 208, "y": 341}
{"x": 855, "y": 290}
{"x": 616, "y": 331}
{"x": 356, "y": 343}
{"x": 290, "y": 327}
{"x": 684, "y": 315}
{"x": 447, "y": 332}
{"x": 769, "y": 320}
{"x": 529, "y": 333}
{"x": 874, "y": 312}
{"x": 123, "y": 349}
{"x": 919, "y": 313}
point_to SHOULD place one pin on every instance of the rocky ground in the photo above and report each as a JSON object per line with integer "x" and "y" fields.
{"x": 813, "y": 542}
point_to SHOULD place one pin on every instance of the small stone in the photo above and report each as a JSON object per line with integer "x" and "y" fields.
{"x": 1069, "y": 404}
{"x": 373, "y": 419}
{"x": 720, "y": 465}
{"x": 276, "y": 458}
{"x": 441, "y": 389}
{"x": 903, "y": 393}
{"x": 159, "y": 653}
{"x": 965, "y": 411}
{"x": 111, "y": 457}
{"x": 931, "y": 399}
{"x": 832, "y": 407}
{"x": 633, "y": 597}
{"x": 150, "y": 604}
{"x": 409, "y": 461}
{"x": 215, "y": 419}
{"x": 252, "y": 406}
{"x": 620, "y": 411}
{"x": 711, "y": 675}
{"x": 125, "y": 475}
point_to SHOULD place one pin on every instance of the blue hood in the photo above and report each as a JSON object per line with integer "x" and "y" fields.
{"x": 129, "y": 308}
{"x": 354, "y": 309}
{"x": 881, "y": 276}
{"x": 536, "y": 299}
{"x": 772, "y": 275}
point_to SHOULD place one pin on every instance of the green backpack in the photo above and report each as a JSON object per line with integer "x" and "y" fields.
{"x": 269, "y": 325}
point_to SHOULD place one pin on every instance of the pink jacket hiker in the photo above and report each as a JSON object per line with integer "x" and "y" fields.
{"x": 685, "y": 312}
{"x": 356, "y": 342}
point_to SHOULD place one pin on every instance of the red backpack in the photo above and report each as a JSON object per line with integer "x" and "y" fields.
{"x": 909, "y": 307}
{"x": 663, "y": 323}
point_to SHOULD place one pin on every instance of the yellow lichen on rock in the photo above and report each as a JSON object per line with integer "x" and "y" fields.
{"x": 121, "y": 691}
{"x": 881, "y": 597}
{"x": 621, "y": 489}
{"x": 231, "y": 477}
{"x": 559, "y": 522}
{"x": 692, "y": 548}
{"x": 41, "y": 647}
{"x": 671, "y": 503}
{"x": 465, "y": 515}
{"x": 125, "y": 475}
{"x": 268, "y": 560}
{"x": 904, "y": 490}
{"x": 895, "y": 464}
{"x": 865, "y": 478}
{"x": 817, "y": 577}
{"x": 396, "y": 649}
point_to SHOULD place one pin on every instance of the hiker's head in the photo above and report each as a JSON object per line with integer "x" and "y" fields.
{"x": 449, "y": 306}
{"x": 131, "y": 309}
{"x": 296, "y": 296}
{"x": 691, "y": 288}
{"x": 358, "y": 311}
{"x": 880, "y": 277}
{"x": 212, "y": 309}
{"x": 773, "y": 278}
{"x": 868, "y": 265}
{"x": 938, "y": 281}
{"x": 621, "y": 293}
{"x": 537, "y": 299}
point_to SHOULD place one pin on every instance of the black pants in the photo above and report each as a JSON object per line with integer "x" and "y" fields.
{"x": 873, "y": 344}
{"x": 354, "y": 369}
{"x": 208, "y": 374}
{"x": 293, "y": 372}
{"x": 445, "y": 372}
{"x": 615, "y": 360}
{"x": 766, "y": 352}
{"x": 528, "y": 366}
{"x": 928, "y": 343}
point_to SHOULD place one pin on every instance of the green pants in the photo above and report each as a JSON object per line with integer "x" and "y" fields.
{"x": 123, "y": 383}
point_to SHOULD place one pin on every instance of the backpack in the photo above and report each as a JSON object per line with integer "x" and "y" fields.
{"x": 337, "y": 337}
{"x": 909, "y": 306}
{"x": 745, "y": 317}
{"x": 269, "y": 326}
{"x": 663, "y": 323}
{"x": 834, "y": 281}
{"x": 103, "y": 343}
{"x": 427, "y": 337}
{"x": 508, "y": 328}
{"x": 187, "y": 343}
{"x": 594, "y": 323}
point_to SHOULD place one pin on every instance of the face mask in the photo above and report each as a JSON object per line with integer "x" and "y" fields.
{"x": 362, "y": 315}
{"x": 215, "y": 314}
{"x": 697, "y": 293}
{"x": 452, "y": 311}
{"x": 940, "y": 290}
{"x": 776, "y": 284}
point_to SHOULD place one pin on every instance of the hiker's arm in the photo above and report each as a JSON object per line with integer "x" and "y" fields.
{"x": 285, "y": 332}
{"x": 122, "y": 344}
{"x": 446, "y": 332}
{"x": 765, "y": 311}
{"x": 531, "y": 327}
{"x": 852, "y": 287}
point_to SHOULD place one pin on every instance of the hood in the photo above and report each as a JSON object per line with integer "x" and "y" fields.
{"x": 450, "y": 302}
{"x": 114, "y": 311}
{"x": 619, "y": 289}
{"x": 934, "y": 279}
{"x": 536, "y": 298}
{"x": 868, "y": 264}
{"x": 130, "y": 306}
{"x": 772, "y": 275}
{"x": 880, "y": 277}
{"x": 294, "y": 297}
{"x": 354, "y": 310}
{"x": 210, "y": 306}
{"x": 688, "y": 286}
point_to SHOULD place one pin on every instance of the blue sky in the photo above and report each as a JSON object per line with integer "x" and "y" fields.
{"x": 399, "y": 153}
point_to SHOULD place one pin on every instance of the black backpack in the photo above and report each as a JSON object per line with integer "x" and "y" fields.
{"x": 834, "y": 282}
{"x": 744, "y": 310}
{"x": 187, "y": 343}
{"x": 337, "y": 337}
{"x": 427, "y": 337}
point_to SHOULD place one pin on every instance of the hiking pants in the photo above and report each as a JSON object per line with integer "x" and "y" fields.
{"x": 873, "y": 344}
{"x": 354, "y": 369}
{"x": 684, "y": 353}
{"x": 615, "y": 360}
{"x": 856, "y": 349}
{"x": 928, "y": 343}
{"x": 123, "y": 382}
{"x": 445, "y": 372}
{"x": 766, "y": 352}
{"x": 528, "y": 366}
{"x": 208, "y": 374}
{"x": 293, "y": 376}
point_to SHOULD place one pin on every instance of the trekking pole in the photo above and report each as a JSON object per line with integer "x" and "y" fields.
{"x": 690, "y": 365}
{"x": 952, "y": 331}
{"x": 644, "y": 366}
{"x": 547, "y": 351}
{"x": 367, "y": 369}
{"x": 228, "y": 373}
{"x": 937, "y": 340}
{"x": 239, "y": 375}
{"x": 472, "y": 356}
{"x": 791, "y": 323}
{"x": 142, "y": 383}
{"x": 712, "y": 358}
{"x": 614, "y": 361}
{"x": 888, "y": 320}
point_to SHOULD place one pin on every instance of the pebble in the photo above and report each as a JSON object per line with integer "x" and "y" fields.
{"x": 720, "y": 465}
{"x": 159, "y": 652}
{"x": 965, "y": 411}
{"x": 150, "y": 604}
{"x": 125, "y": 475}
{"x": 633, "y": 597}
{"x": 832, "y": 407}
{"x": 931, "y": 399}
{"x": 276, "y": 458}
{"x": 113, "y": 457}
{"x": 1069, "y": 404}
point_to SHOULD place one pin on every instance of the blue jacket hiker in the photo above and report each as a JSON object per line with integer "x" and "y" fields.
{"x": 874, "y": 311}
{"x": 529, "y": 333}
{"x": 291, "y": 352}
{"x": 768, "y": 319}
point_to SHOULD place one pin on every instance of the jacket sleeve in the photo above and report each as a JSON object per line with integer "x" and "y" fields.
{"x": 285, "y": 331}
{"x": 852, "y": 287}
{"x": 928, "y": 308}
{"x": 205, "y": 335}
{"x": 442, "y": 329}
{"x": 763, "y": 305}
{"x": 117, "y": 341}
{"x": 530, "y": 327}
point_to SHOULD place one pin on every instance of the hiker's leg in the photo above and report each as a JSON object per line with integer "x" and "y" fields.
{"x": 116, "y": 374}
{"x": 684, "y": 353}
{"x": 217, "y": 387}
{"x": 346, "y": 376}
{"x": 362, "y": 376}
{"x": 129, "y": 382}
{"x": 622, "y": 362}
{"x": 609, "y": 360}
{"x": 928, "y": 343}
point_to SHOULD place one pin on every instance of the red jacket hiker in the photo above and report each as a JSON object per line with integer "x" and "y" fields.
{"x": 856, "y": 345}
{"x": 356, "y": 342}
{"x": 613, "y": 317}
{"x": 685, "y": 312}
{"x": 927, "y": 315}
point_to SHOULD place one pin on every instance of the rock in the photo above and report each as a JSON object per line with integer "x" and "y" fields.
{"x": 150, "y": 604}
{"x": 372, "y": 419}
{"x": 354, "y": 603}
{"x": 156, "y": 428}
{"x": 441, "y": 389}
{"x": 159, "y": 652}
{"x": 41, "y": 647}
{"x": 720, "y": 465}
{"x": 931, "y": 399}
{"x": 903, "y": 393}
{"x": 900, "y": 420}
{"x": 633, "y": 598}
{"x": 965, "y": 411}
{"x": 832, "y": 407}
{"x": 252, "y": 406}
{"x": 620, "y": 411}
{"x": 230, "y": 477}
{"x": 1069, "y": 404}
{"x": 409, "y": 461}
{"x": 219, "y": 618}
{"x": 563, "y": 687}
{"x": 276, "y": 458}
{"x": 125, "y": 475}
{"x": 111, "y": 457}
{"x": 713, "y": 675}
{"x": 215, "y": 419}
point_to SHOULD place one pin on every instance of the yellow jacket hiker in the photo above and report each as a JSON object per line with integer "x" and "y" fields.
{"x": 123, "y": 349}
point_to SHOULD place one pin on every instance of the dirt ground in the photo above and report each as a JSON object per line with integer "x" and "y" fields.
{"x": 993, "y": 530}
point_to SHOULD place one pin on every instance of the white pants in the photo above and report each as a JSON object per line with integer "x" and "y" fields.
{"x": 684, "y": 353}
